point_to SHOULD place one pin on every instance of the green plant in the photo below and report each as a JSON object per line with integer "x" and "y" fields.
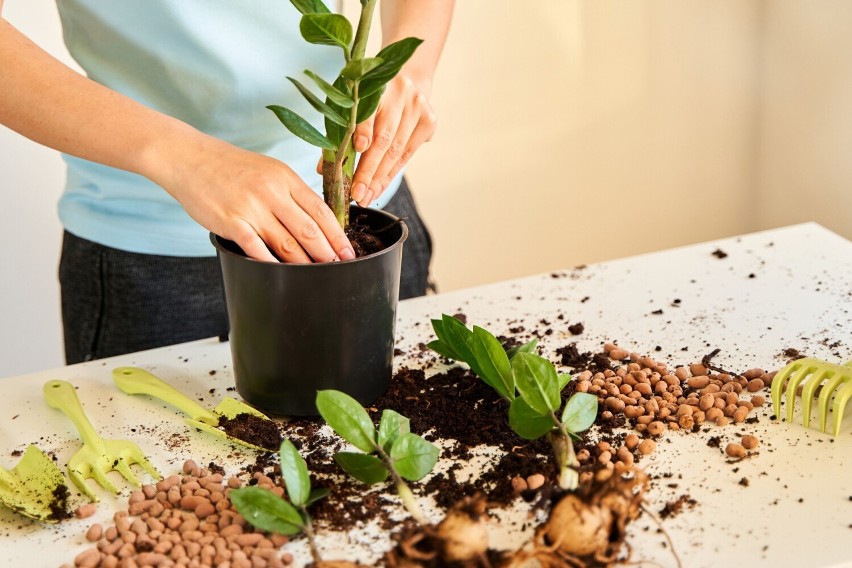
{"x": 349, "y": 100}
{"x": 266, "y": 511}
{"x": 529, "y": 383}
{"x": 398, "y": 452}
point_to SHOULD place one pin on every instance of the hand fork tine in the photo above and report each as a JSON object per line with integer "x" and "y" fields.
{"x": 97, "y": 456}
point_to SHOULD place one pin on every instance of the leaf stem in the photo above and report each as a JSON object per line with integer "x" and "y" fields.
{"x": 409, "y": 501}
{"x": 566, "y": 459}
{"x": 308, "y": 528}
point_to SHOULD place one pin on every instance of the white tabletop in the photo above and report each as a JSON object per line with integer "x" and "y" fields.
{"x": 778, "y": 289}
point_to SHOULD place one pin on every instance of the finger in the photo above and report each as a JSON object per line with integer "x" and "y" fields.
{"x": 384, "y": 132}
{"x": 319, "y": 166}
{"x": 285, "y": 245}
{"x": 362, "y": 140}
{"x": 250, "y": 241}
{"x": 423, "y": 133}
{"x": 315, "y": 227}
{"x": 397, "y": 154}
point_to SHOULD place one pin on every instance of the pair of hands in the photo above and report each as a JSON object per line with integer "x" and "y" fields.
{"x": 261, "y": 204}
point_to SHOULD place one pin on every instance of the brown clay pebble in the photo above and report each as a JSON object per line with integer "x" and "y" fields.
{"x": 535, "y": 481}
{"x": 85, "y": 511}
{"x": 750, "y": 442}
{"x": 647, "y": 446}
{"x": 735, "y": 450}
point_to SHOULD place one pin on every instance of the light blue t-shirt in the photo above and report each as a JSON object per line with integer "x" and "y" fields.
{"x": 214, "y": 64}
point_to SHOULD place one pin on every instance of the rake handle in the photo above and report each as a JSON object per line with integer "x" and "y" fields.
{"x": 133, "y": 380}
{"x": 63, "y": 396}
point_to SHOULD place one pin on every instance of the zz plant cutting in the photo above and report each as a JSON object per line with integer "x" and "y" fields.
{"x": 349, "y": 100}
{"x": 529, "y": 383}
{"x": 392, "y": 449}
{"x": 266, "y": 511}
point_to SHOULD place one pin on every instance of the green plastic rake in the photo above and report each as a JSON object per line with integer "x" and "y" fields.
{"x": 832, "y": 382}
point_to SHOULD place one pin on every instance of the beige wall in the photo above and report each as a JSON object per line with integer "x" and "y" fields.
{"x": 571, "y": 131}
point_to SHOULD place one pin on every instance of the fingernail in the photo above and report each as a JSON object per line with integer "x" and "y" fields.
{"x": 358, "y": 191}
{"x": 367, "y": 198}
{"x": 347, "y": 254}
{"x": 361, "y": 143}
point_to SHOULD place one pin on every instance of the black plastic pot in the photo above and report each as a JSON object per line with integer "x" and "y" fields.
{"x": 300, "y": 328}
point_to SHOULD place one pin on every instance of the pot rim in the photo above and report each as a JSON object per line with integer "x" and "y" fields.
{"x": 215, "y": 240}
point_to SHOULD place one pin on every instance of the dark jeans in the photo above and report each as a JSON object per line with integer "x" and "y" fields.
{"x": 116, "y": 302}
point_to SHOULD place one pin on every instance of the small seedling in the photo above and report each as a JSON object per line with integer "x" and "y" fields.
{"x": 266, "y": 511}
{"x": 529, "y": 383}
{"x": 391, "y": 450}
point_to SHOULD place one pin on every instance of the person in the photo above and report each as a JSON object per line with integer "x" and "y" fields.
{"x": 167, "y": 138}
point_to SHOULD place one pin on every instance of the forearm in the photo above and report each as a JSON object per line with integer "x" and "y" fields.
{"x": 428, "y": 20}
{"x": 46, "y": 101}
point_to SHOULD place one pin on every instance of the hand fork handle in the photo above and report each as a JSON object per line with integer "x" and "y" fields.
{"x": 62, "y": 395}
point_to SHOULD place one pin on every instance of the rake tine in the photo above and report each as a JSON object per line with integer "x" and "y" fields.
{"x": 825, "y": 399}
{"x": 808, "y": 392}
{"x": 102, "y": 480}
{"x": 80, "y": 481}
{"x": 839, "y": 406}
{"x": 123, "y": 468}
{"x": 147, "y": 466}
{"x": 793, "y": 385}
{"x": 778, "y": 385}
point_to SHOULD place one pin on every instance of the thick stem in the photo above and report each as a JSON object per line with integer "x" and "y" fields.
{"x": 566, "y": 459}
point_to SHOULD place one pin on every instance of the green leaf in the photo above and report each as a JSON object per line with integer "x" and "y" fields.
{"x": 348, "y": 418}
{"x": 266, "y": 511}
{"x": 310, "y": 6}
{"x": 301, "y": 127}
{"x": 394, "y": 57}
{"x": 326, "y": 110}
{"x": 335, "y": 132}
{"x": 580, "y": 412}
{"x": 326, "y": 29}
{"x": 392, "y": 426}
{"x": 493, "y": 362}
{"x": 413, "y": 457}
{"x": 367, "y": 105}
{"x": 442, "y": 348}
{"x": 335, "y": 95}
{"x": 356, "y": 68}
{"x": 526, "y": 422}
{"x": 438, "y": 327}
{"x": 460, "y": 338}
{"x": 294, "y": 470}
{"x": 537, "y": 382}
{"x": 563, "y": 379}
{"x": 363, "y": 467}
{"x": 528, "y": 347}
{"x": 316, "y": 495}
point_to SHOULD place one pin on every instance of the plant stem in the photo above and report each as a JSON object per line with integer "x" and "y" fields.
{"x": 566, "y": 459}
{"x": 337, "y": 186}
{"x": 308, "y": 528}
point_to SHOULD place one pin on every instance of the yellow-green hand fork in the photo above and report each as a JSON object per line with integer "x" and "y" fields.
{"x": 97, "y": 457}
{"x": 814, "y": 374}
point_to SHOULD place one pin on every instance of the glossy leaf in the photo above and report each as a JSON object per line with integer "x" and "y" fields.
{"x": 301, "y": 127}
{"x": 316, "y": 495}
{"x": 526, "y": 422}
{"x": 356, "y": 68}
{"x": 335, "y": 132}
{"x": 443, "y": 349}
{"x": 310, "y": 6}
{"x": 363, "y": 467}
{"x": 394, "y": 56}
{"x": 319, "y": 105}
{"x": 580, "y": 412}
{"x": 392, "y": 426}
{"x": 528, "y": 347}
{"x": 326, "y": 29}
{"x": 460, "y": 339}
{"x": 348, "y": 418}
{"x": 564, "y": 379}
{"x": 336, "y": 96}
{"x": 536, "y": 380}
{"x": 493, "y": 362}
{"x": 367, "y": 105}
{"x": 266, "y": 511}
{"x": 438, "y": 327}
{"x": 413, "y": 457}
{"x": 294, "y": 470}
